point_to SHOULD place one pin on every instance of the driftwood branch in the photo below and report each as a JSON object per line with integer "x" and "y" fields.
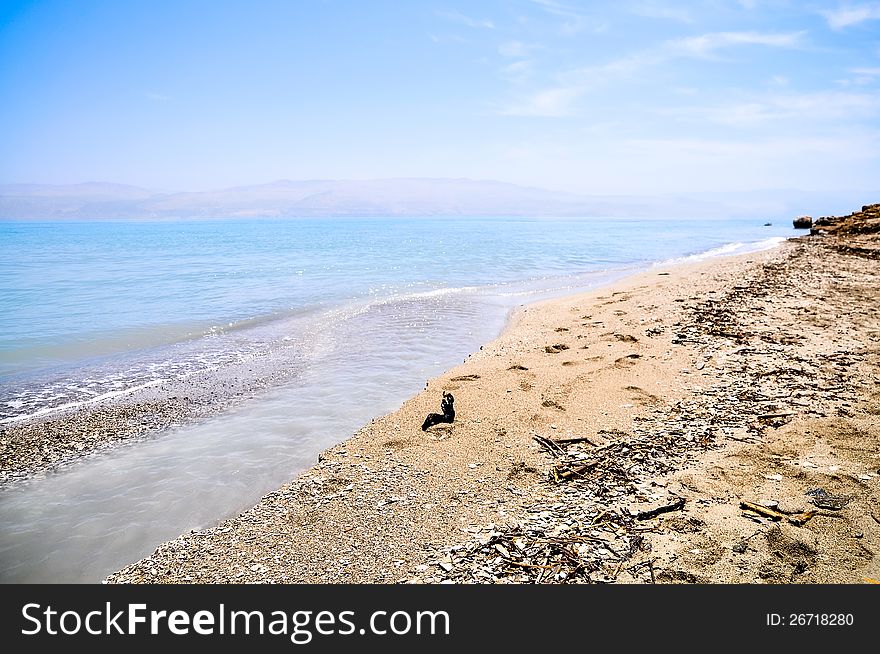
{"x": 580, "y": 439}
{"x": 567, "y": 473}
{"x": 762, "y": 510}
{"x": 549, "y": 445}
{"x": 653, "y": 513}
{"x": 800, "y": 519}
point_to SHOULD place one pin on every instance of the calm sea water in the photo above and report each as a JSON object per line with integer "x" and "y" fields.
{"x": 73, "y": 295}
{"x": 360, "y": 311}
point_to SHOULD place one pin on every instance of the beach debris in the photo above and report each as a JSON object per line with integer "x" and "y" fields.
{"x": 653, "y": 513}
{"x": 549, "y": 445}
{"x": 800, "y": 519}
{"x": 448, "y": 415}
{"x": 770, "y": 416}
{"x": 825, "y": 500}
{"x": 578, "y": 439}
{"x": 760, "y": 509}
{"x": 764, "y": 381}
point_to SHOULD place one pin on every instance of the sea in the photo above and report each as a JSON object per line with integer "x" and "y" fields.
{"x": 352, "y": 316}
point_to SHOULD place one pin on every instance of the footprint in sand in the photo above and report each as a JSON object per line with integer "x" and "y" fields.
{"x": 516, "y": 366}
{"x": 627, "y": 361}
{"x": 551, "y": 404}
{"x": 561, "y": 329}
{"x": 642, "y": 396}
{"x": 465, "y": 378}
{"x": 555, "y": 349}
{"x": 397, "y": 443}
{"x": 624, "y": 338}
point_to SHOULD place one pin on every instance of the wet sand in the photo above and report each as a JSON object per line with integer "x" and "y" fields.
{"x": 39, "y": 445}
{"x": 712, "y": 422}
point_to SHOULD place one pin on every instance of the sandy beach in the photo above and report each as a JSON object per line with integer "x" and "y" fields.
{"x": 714, "y": 422}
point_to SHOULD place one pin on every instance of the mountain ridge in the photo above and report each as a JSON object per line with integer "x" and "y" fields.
{"x": 396, "y": 197}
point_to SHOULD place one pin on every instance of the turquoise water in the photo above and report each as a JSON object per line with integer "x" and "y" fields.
{"x": 356, "y": 313}
{"x": 89, "y": 308}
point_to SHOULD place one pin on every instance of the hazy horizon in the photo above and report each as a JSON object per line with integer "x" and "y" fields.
{"x": 638, "y": 97}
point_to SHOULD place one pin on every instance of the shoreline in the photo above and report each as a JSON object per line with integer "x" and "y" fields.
{"x": 38, "y": 445}
{"x": 35, "y": 445}
{"x": 464, "y": 502}
{"x": 371, "y": 461}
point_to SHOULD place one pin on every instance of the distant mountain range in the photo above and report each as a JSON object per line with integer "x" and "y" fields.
{"x": 413, "y": 197}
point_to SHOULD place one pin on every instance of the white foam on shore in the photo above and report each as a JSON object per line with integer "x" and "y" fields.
{"x": 728, "y": 249}
{"x": 73, "y": 405}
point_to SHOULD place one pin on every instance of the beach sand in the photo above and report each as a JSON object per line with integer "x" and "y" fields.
{"x": 609, "y": 437}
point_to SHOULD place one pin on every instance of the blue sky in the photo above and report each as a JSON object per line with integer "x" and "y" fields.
{"x": 636, "y": 96}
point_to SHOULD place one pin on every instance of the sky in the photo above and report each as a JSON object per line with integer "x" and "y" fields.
{"x": 632, "y": 96}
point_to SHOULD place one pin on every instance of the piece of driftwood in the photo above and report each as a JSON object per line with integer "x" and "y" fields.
{"x": 563, "y": 473}
{"x": 653, "y": 513}
{"x": 579, "y": 439}
{"x": 768, "y": 416}
{"x": 762, "y": 510}
{"x": 548, "y": 445}
{"x": 800, "y": 519}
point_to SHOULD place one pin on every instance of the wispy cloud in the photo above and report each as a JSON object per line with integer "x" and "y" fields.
{"x": 860, "y": 77}
{"x": 656, "y": 10}
{"x": 693, "y": 47}
{"x": 574, "y": 21}
{"x": 458, "y": 17}
{"x": 446, "y": 38}
{"x": 514, "y": 49}
{"x": 706, "y": 44}
{"x": 793, "y": 108}
{"x": 547, "y": 103}
{"x": 560, "y": 98}
{"x": 849, "y": 14}
{"x": 518, "y": 71}
{"x": 871, "y": 72}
